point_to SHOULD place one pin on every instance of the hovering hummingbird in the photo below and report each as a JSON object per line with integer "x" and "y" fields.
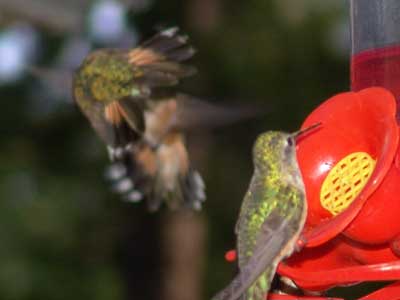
{"x": 129, "y": 99}
{"x": 124, "y": 95}
{"x": 271, "y": 218}
{"x": 114, "y": 87}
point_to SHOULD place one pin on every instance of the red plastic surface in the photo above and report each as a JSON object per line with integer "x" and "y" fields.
{"x": 230, "y": 256}
{"x": 390, "y": 292}
{"x": 362, "y": 121}
{"x": 273, "y": 296}
{"x": 340, "y": 261}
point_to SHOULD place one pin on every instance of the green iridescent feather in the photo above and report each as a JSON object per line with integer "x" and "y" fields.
{"x": 271, "y": 217}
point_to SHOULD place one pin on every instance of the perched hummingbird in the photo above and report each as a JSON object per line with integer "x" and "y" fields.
{"x": 271, "y": 218}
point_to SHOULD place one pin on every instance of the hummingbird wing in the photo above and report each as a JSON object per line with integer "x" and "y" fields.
{"x": 256, "y": 275}
{"x": 131, "y": 110}
{"x": 197, "y": 114}
{"x": 57, "y": 81}
{"x": 274, "y": 241}
{"x": 183, "y": 113}
{"x": 108, "y": 124}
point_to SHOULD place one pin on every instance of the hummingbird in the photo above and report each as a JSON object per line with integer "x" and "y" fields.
{"x": 129, "y": 97}
{"x": 114, "y": 87}
{"x": 271, "y": 217}
{"x": 126, "y": 96}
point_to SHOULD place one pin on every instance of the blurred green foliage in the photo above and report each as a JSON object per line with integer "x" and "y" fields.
{"x": 64, "y": 235}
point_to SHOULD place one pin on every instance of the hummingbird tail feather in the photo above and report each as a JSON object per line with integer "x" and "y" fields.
{"x": 176, "y": 182}
{"x": 193, "y": 190}
{"x": 238, "y": 289}
{"x": 141, "y": 172}
{"x": 169, "y": 43}
{"x": 124, "y": 177}
{"x": 255, "y": 276}
{"x": 187, "y": 192}
{"x": 159, "y": 59}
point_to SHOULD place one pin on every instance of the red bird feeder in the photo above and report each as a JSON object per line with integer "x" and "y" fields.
{"x": 351, "y": 168}
{"x": 349, "y": 160}
{"x": 350, "y": 173}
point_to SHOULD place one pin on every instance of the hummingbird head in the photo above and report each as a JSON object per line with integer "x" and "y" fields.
{"x": 274, "y": 153}
{"x": 273, "y": 148}
{"x": 107, "y": 76}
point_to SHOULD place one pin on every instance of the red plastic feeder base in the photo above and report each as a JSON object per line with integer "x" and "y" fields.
{"x": 348, "y": 161}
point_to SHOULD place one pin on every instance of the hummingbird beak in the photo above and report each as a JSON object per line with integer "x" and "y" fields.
{"x": 304, "y": 131}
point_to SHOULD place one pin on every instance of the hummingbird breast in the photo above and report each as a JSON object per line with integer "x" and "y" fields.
{"x": 265, "y": 209}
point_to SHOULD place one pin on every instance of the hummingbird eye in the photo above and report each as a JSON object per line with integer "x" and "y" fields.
{"x": 289, "y": 141}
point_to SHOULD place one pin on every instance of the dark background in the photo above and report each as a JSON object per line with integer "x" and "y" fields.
{"x": 63, "y": 233}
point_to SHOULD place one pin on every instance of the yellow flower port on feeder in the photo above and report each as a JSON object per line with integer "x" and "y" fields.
{"x": 345, "y": 181}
